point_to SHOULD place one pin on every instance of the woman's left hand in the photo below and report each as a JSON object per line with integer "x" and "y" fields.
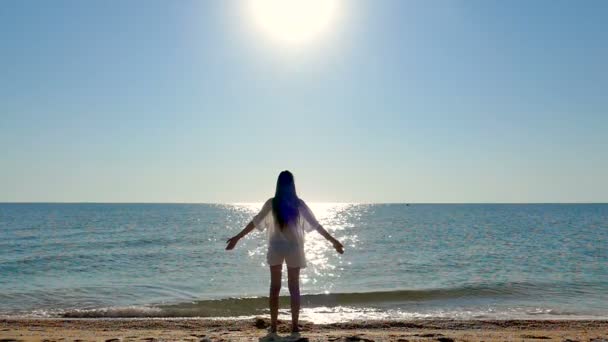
{"x": 232, "y": 242}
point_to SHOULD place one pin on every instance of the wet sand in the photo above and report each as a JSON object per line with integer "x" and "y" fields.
{"x": 199, "y": 330}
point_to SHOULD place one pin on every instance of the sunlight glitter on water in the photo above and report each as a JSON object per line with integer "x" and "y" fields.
{"x": 323, "y": 263}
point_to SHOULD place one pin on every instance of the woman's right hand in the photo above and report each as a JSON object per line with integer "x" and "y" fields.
{"x": 232, "y": 242}
{"x": 338, "y": 246}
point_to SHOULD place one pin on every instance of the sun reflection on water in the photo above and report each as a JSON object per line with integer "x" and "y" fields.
{"x": 323, "y": 262}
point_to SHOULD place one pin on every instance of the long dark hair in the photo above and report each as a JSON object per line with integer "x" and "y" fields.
{"x": 285, "y": 201}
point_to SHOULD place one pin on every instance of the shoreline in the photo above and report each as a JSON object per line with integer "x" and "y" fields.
{"x": 192, "y": 329}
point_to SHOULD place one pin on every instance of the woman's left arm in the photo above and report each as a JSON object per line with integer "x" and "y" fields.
{"x": 257, "y": 221}
{"x": 233, "y": 240}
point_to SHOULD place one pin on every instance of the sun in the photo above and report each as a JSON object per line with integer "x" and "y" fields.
{"x": 293, "y": 21}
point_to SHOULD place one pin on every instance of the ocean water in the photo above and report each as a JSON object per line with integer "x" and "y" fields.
{"x": 464, "y": 261}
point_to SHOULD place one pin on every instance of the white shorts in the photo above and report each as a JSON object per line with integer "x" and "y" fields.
{"x": 282, "y": 251}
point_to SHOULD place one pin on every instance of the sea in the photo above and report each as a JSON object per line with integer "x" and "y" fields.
{"x": 401, "y": 261}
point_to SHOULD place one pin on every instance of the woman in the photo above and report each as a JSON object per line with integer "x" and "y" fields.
{"x": 286, "y": 219}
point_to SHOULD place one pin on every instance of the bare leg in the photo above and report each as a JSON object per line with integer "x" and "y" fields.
{"x": 275, "y": 289}
{"x": 293, "y": 281}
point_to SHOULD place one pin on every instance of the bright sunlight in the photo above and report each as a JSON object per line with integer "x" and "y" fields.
{"x": 293, "y": 21}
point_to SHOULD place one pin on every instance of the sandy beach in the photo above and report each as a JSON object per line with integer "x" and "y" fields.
{"x": 255, "y": 330}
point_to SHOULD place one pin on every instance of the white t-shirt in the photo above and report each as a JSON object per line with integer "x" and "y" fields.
{"x": 293, "y": 234}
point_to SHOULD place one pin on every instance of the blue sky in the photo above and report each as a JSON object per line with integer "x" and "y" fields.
{"x": 398, "y": 101}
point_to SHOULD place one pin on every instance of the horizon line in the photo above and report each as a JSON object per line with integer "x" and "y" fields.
{"x": 237, "y": 203}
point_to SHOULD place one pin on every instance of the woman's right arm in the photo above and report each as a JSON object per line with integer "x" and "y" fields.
{"x": 312, "y": 220}
{"x": 337, "y": 245}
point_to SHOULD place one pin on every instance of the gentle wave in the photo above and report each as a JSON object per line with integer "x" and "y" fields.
{"x": 229, "y": 307}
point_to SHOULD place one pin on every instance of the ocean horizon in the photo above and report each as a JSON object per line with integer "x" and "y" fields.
{"x": 261, "y": 202}
{"x": 401, "y": 261}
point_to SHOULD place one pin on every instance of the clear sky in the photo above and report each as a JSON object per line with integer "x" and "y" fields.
{"x": 395, "y": 101}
